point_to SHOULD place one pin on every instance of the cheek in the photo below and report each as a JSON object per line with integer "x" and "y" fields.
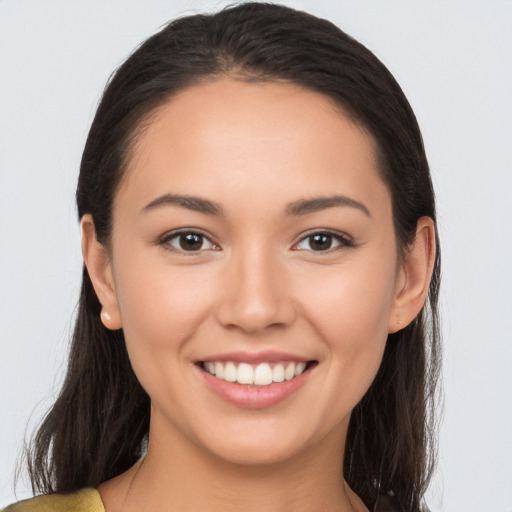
{"x": 352, "y": 304}
{"x": 350, "y": 311}
{"x": 161, "y": 309}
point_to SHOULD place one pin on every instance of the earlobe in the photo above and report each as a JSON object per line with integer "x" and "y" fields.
{"x": 415, "y": 274}
{"x": 97, "y": 261}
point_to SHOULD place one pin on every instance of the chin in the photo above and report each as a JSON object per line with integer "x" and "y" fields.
{"x": 264, "y": 442}
{"x": 246, "y": 453}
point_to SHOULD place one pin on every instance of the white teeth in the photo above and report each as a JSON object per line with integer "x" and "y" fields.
{"x": 262, "y": 374}
{"x": 278, "y": 373}
{"x": 219, "y": 370}
{"x": 289, "y": 373}
{"x": 299, "y": 368}
{"x": 245, "y": 374}
{"x": 230, "y": 372}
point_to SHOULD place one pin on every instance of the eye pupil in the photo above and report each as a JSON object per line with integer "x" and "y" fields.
{"x": 191, "y": 242}
{"x": 320, "y": 242}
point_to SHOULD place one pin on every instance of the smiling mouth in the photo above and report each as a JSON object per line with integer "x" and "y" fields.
{"x": 262, "y": 374}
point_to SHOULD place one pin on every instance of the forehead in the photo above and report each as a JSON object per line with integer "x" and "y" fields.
{"x": 228, "y": 137}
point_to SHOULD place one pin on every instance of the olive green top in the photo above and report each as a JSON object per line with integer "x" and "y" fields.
{"x": 85, "y": 500}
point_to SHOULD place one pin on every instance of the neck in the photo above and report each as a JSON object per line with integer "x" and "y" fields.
{"x": 176, "y": 474}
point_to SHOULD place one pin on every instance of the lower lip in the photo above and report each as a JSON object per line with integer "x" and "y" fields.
{"x": 254, "y": 397}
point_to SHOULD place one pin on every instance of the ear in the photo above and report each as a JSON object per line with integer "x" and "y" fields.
{"x": 99, "y": 266}
{"x": 414, "y": 275}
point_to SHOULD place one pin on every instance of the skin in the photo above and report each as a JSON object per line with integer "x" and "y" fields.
{"x": 256, "y": 284}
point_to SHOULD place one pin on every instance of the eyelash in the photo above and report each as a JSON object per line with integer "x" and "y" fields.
{"x": 166, "y": 239}
{"x": 343, "y": 240}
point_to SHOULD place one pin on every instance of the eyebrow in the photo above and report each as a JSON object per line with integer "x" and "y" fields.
{"x": 196, "y": 204}
{"x": 316, "y": 204}
{"x": 300, "y": 207}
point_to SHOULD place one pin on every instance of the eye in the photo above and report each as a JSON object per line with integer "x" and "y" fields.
{"x": 188, "y": 241}
{"x": 323, "y": 241}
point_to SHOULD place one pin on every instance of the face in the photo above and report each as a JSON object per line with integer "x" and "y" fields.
{"x": 253, "y": 238}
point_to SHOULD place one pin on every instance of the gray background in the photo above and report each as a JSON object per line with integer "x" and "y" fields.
{"x": 453, "y": 60}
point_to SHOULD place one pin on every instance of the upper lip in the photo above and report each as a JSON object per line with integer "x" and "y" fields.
{"x": 255, "y": 357}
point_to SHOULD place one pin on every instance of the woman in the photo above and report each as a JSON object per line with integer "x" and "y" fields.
{"x": 257, "y": 325}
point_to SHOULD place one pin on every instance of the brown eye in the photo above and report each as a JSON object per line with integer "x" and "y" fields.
{"x": 322, "y": 242}
{"x": 188, "y": 241}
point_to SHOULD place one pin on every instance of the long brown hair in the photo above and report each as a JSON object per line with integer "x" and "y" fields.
{"x": 98, "y": 426}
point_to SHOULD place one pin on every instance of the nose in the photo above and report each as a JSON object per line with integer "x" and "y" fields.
{"x": 255, "y": 294}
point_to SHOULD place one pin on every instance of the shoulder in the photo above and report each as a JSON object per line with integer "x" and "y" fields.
{"x": 85, "y": 500}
